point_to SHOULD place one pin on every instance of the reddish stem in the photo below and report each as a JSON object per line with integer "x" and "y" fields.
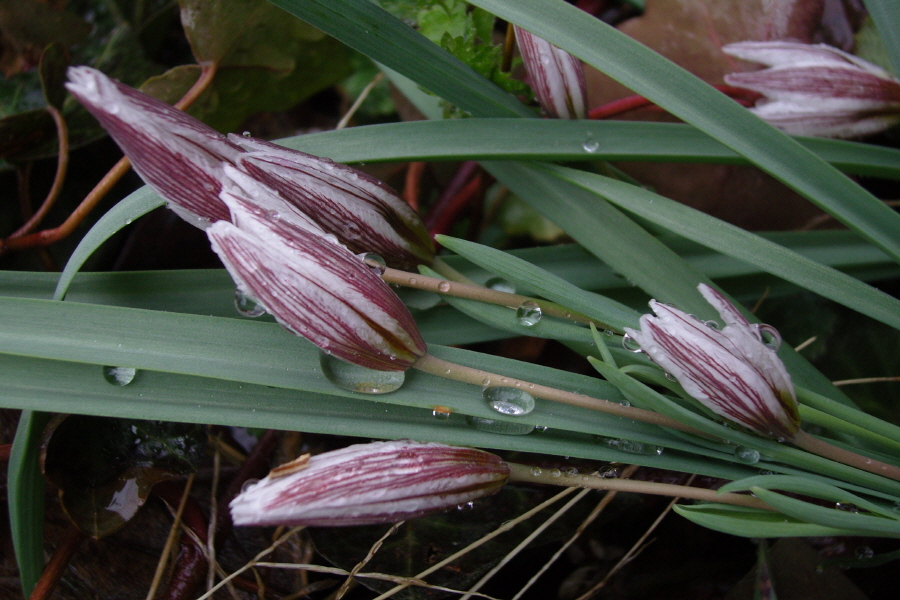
{"x": 462, "y": 176}
{"x": 742, "y": 96}
{"x": 472, "y": 192}
{"x": 413, "y": 184}
{"x": 58, "y": 562}
{"x": 190, "y": 568}
{"x": 5, "y": 450}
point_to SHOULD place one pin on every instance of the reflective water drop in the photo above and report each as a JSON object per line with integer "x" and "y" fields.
{"x": 246, "y": 134}
{"x": 536, "y": 471}
{"x": 248, "y": 484}
{"x": 555, "y": 473}
{"x": 671, "y": 377}
{"x": 444, "y": 287}
{"x": 608, "y": 332}
{"x": 441, "y": 412}
{"x": 864, "y": 553}
{"x": 846, "y": 506}
{"x": 590, "y": 145}
{"x": 413, "y": 281}
{"x": 375, "y": 262}
{"x": 501, "y": 427}
{"x": 766, "y": 472}
{"x": 540, "y": 428}
{"x": 544, "y": 58}
{"x": 608, "y": 472}
{"x": 634, "y": 447}
{"x": 509, "y": 400}
{"x": 498, "y": 284}
{"x": 466, "y": 505}
{"x": 119, "y": 375}
{"x": 486, "y": 382}
{"x": 711, "y": 324}
{"x": 246, "y": 305}
{"x": 768, "y": 335}
{"x": 571, "y": 472}
{"x": 359, "y": 379}
{"x": 625, "y": 403}
{"x": 748, "y": 456}
{"x": 528, "y": 314}
{"x": 630, "y": 344}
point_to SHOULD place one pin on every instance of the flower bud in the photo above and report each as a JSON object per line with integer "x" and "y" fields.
{"x": 314, "y": 286}
{"x": 732, "y": 372}
{"x": 174, "y": 153}
{"x": 364, "y": 214}
{"x": 818, "y": 90}
{"x": 556, "y": 76}
{"x": 364, "y": 484}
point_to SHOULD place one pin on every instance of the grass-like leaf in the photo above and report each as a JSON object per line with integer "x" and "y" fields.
{"x": 756, "y": 523}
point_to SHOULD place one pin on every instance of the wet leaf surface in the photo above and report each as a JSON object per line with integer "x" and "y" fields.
{"x": 105, "y": 468}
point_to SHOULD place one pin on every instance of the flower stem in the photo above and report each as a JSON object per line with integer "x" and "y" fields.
{"x": 449, "y": 370}
{"x": 482, "y": 294}
{"x": 524, "y": 473}
{"x": 830, "y": 451}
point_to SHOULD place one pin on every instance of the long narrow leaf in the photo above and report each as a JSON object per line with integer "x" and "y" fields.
{"x": 689, "y": 98}
{"x": 886, "y": 16}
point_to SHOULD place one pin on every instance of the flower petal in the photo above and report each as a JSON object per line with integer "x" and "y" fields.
{"x": 556, "y": 76}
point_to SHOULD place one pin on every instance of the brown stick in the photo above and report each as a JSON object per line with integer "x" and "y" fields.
{"x": 58, "y": 563}
{"x": 826, "y": 450}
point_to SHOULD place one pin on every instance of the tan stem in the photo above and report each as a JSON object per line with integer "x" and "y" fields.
{"x": 837, "y": 454}
{"x": 524, "y": 473}
{"x": 482, "y": 294}
{"x": 449, "y": 370}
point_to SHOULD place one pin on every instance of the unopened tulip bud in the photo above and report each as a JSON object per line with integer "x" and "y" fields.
{"x": 174, "y": 153}
{"x": 556, "y": 76}
{"x": 381, "y": 482}
{"x": 817, "y": 90}
{"x": 314, "y": 286}
{"x": 364, "y": 214}
{"x": 732, "y": 372}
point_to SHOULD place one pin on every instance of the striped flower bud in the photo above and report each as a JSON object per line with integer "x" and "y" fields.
{"x": 556, "y": 77}
{"x": 364, "y": 214}
{"x": 364, "y": 484}
{"x": 818, "y": 90}
{"x": 733, "y": 372}
{"x": 314, "y": 286}
{"x": 174, "y": 153}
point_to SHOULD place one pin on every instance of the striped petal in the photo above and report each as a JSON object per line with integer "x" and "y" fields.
{"x": 316, "y": 288}
{"x": 381, "y": 482}
{"x": 174, "y": 153}
{"x": 732, "y": 371}
{"x": 556, "y": 76}
{"x": 364, "y": 214}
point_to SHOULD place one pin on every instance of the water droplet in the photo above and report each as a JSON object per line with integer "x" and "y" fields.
{"x": 498, "y": 284}
{"x": 536, "y": 471}
{"x": 543, "y": 58}
{"x": 608, "y": 472}
{"x": 375, "y": 262}
{"x": 633, "y": 447}
{"x": 864, "y": 553}
{"x": 119, "y": 375}
{"x": 590, "y": 145}
{"x": 441, "y": 412}
{"x": 768, "y": 335}
{"x": 766, "y": 472}
{"x": 466, "y": 505}
{"x": 501, "y": 427}
{"x": 630, "y": 344}
{"x": 846, "y": 506}
{"x": 748, "y": 456}
{"x": 246, "y": 305}
{"x": 509, "y": 400}
{"x": 444, "y": 287}
{"x": 671, "y": 377}
{"x": 528, "y": 314}
{"x": 248, "y": 484}
{"x": 359, "y": 379}
{"x": 540, "y": 428}
{"x": 625, "y": 403}
{"x": 555, "y": 473}
{"x": 128, "y": 221}
{"x": 413, "y": 281}
{"x": 608, "y": 332}
{"x": 571, "y": 472}
{"x": 486, "y": 382}
{"x": 246, "y": 134}
{"x": 711, "y": 324}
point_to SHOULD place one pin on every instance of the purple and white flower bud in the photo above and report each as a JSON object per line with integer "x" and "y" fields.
{"x": 556, "y": 76}
{"x": 364, "y": 214}
{"x": 818, "y": 90}
{"x": 733, "y": 372}
{"x": 174, "y": 153}
{"x": 365, "y": 484}
{"x": 314, "y": 286}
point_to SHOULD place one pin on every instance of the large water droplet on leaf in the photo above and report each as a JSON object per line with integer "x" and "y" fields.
{"x": 246, "y": 305}
{"x": 509, "y": 400}
{"x": 359, "y": 379}
{"x": 119, "y": 375}
{"x": 528, "y": 314}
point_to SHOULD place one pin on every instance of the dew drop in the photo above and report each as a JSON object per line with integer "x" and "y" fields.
{"x": 246, "y": 134}
{"x": 555, "y": 473}
{"x": 711, "y": 324}
{"x": 486, "y": 382}
{"x": 444, "y": 287}
{"x": 466, "y": 505}
{"x": 413, "y": 281}
{"x": 501, "y": 427}
{"x": 544, "y": 58}
{"x": 375, "y": 262}
{"x": 509, "y": 400}
{"x": 846, "y": 506}
{"x": 633, "y": 447}
{"x": 590, "y": 145}
{"x": 528, "y": 314}
{"x": 630, "y": 344}
{"x": 441, "y": 413}
{"x": 571, "y": 472}
{"x": 128, "y": 221}
{"x": 748, "y": 456}
{"x": 248, "y": 484}
{"x": 359, "y": 379}
{"x": 864, "y": 553}
{"x": 536, "y": 471}
{"x": 246, "y": 305}
{"x": 671, "y": 377}
{"x": 608, "y": 332}
{"x": 540, "y": 428}
{"x": 608, "y": 472}
{"x": 768, "y": 335}
{"x": 119, "y": 375}
{"x": 498, "y": 284}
